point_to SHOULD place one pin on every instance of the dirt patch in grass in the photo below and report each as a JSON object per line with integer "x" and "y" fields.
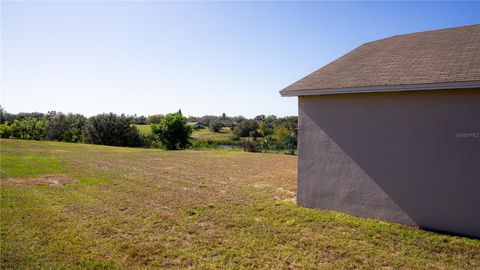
{"x": 48, "y": 179}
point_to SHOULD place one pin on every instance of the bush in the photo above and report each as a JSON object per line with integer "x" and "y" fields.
{"x": 172, "y": 132}
{"x": 29, "y": 129}
{"x": 111, "y": 129}
{"x": 5, "y": 131}
{"x": 203, "y": 144}
{"x": 267, "y": 143}
{"x": 251, "y": 146}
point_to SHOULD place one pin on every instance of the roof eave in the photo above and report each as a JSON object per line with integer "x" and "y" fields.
{"x": 375, "y": 89}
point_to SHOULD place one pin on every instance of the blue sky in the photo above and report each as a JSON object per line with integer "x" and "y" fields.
{"x": 203, "y": 57}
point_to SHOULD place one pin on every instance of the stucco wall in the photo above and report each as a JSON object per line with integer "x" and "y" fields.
{"x": 407, "y": 157}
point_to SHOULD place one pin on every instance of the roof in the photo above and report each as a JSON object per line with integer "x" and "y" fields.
{"x": 439, "y": 59}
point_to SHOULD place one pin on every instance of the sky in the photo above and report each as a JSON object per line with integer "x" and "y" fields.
{"x": 205, "y": 58}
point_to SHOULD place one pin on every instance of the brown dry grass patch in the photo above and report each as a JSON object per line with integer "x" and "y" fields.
{"x": 44, "y": 180}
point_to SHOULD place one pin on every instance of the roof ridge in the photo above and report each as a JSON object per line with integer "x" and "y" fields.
{"x": 427, "y": 57}
{"x": 420, "y": 32}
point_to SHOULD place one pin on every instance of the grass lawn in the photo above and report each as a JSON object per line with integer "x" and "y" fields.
{"x": 225, "y": 134}
{"x": 144, "y": 129}
{"x": 143, "y": 208}
{"x": 205, "y": 134}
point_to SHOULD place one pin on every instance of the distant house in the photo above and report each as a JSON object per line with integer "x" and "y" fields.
{"x": 196, "y": 125}
{"x": 391, "y": 130}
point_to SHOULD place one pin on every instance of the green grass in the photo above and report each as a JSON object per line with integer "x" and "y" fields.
{"x": 144, "y": 129}
{"x": 204, "y": 134}
{"x": 151, "y": 209}
{"x": 225, "y": 134}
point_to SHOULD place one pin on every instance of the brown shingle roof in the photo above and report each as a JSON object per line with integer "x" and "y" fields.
{"x": 400, "y": 62}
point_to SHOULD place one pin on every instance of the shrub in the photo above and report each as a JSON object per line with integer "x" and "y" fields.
{"x": 5, "y": 131}
{"x": 172, "y": 132}
{"x": 29, "y": 129}
{"x": 203, "y": 144}
{"x": 251, "y": 146}
{"x": 111, "y": 129}
{"x": 267, "y": 143}
{"x": 292, "y": 143}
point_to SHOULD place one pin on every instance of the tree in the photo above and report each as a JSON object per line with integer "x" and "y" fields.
{"x": 265, "y": 129}
{"x": 29, "y": 129}
{"x": 285, "y": 138}
{"x": 259, "y": 118}
{"x": 172, "y": 132}
{"x": 57, "y": 125}
{"x": 154, "y": 119}
{"x": 111, "y": 129}
{"x": 290, "y": 122}
{"x": 244, "y": 128}
{"x": 270, "y": 119}
{"x": 206, "y": 119}
{"x": 292, "y": 142}
{"x": 67, "y": 128}
{"x": 215, "y": 125}
{"x": 75, "y": 127}
{"x": 3, "y": 115}
{"x": 138, "y": 119}
{"x": 280, "y": 134}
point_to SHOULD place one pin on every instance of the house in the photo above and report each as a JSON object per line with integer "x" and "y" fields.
{"x": 391, "y": 130}
{"x": 196, "y": 125}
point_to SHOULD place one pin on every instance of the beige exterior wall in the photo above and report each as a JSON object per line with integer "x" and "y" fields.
{"x": 408, "y": 157}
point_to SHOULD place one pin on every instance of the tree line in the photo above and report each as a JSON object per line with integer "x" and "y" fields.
{"x": 171, "y": 131}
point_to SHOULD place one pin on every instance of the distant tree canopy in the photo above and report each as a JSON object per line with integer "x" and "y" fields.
{"x": 265, "y": 129}
{"x": 169, "y": 132}
{"x": 172, "y": 132}
{"x": 290, "y": 122}
{"x": 67, "y": 128}
{"x": 9, "y": 117}
{"x": 154, "y": 119}
{"x": 245, "y": 127}
{"x": 112, "y": 129}
{"x": 259, "y": 118}
{"x": 138, "y": 119}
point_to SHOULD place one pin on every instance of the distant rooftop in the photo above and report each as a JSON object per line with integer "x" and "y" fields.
{"x": 439, "y": 59}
